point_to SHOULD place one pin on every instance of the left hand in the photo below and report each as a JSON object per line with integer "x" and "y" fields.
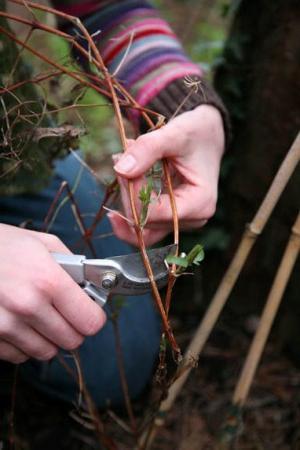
{"x": 193, "y": 144}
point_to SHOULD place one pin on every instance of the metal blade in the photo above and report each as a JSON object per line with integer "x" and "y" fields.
{"x": 133, "y": 279}
{"x": 126, "y": 274}
{"x": 133, "y": 265}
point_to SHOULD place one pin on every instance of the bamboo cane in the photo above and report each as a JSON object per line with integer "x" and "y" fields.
{"x": 272, "y": 304}
{"x": 227, "y": 283}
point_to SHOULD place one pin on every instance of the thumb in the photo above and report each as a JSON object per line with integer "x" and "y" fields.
{"x": 142, "y": 153}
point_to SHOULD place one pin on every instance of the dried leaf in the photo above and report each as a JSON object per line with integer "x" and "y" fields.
{"x": 66, "y": 131}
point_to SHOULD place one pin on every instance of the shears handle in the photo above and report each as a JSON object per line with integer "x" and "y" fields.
{"x": 74, "y": 266}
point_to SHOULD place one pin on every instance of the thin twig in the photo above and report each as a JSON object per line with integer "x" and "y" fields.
{"x": 37, "y": 79}
{"x": 47, "y": 60}
{"x": 91, "y": 408}
{"x": 137, "y": 227}
{"x": 109, "y": 197}
{"x": 121, "y": 367}
{"x": 10, "y": 76}
{"x": 81, "y": 49}
{"x": 55, "y": 208}
{"x": 95, "y": 57}
{"x": 50, "y": 212}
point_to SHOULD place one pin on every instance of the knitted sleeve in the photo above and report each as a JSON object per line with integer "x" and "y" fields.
{"x": 143, "y": 52}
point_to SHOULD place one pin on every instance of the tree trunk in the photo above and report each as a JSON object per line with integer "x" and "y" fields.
{"x": 260, "y": 85}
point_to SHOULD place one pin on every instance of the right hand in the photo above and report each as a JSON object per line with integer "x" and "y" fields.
{"x": 41, "y": 308}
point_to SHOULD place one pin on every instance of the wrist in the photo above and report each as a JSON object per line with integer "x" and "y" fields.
{"x": 212, "y": 122}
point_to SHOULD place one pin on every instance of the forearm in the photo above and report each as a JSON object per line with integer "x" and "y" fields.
{"x": 137, "y": 43}
{"x": 146, "y": 57}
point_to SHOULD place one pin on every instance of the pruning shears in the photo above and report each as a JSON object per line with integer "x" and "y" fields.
{"x": 125, "y": 275}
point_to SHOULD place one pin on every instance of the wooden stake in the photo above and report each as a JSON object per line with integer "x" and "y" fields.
{"x": 227, "y": 283}
{"x": 272, "y": 304}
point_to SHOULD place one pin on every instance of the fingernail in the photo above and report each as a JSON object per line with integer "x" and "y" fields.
{"x": 125, "y": 164}
{"x": 115, "y": 157}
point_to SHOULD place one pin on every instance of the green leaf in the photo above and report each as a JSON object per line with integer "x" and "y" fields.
{"x": 178, "y": 260}
{"x": 199, "y": 258}
{"x": 196, "y": 255}
{"x": 145, "y": 198}
{"x": 163, "y": 344}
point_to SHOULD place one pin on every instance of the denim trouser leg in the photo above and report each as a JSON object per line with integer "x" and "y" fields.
{"x": 138, "y": 322}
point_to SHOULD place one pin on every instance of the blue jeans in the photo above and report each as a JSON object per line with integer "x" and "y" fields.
{"x": 138, "y": 322}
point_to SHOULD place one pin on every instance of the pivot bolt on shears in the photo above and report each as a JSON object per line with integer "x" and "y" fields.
{"x": 125, "y": 274}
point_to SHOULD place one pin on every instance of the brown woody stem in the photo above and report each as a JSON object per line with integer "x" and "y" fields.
{"x": 100, "y": 64}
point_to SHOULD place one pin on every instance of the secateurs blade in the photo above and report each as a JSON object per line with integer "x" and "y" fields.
{"x": 123, "y": 274}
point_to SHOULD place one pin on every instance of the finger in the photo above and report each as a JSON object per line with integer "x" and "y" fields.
{"x": 53, "y": 286}
{"x": 24, "y": 338}
{"x": 147, "y": 149}
{"x": 192, "y": 203}
{"x": 185, "y": 225}
{"x": 49, "y": 323}
{"x": 9, "y": 352}
{"x": 122, "y": 229}
{"x": 152, "y": 237}
{"x": 137, "y": 184}
{"x": 125, "y": 232}
{"x": 51, "y": 242}
{"x": 77, "y": 308}
{"x": 124, "y": 192}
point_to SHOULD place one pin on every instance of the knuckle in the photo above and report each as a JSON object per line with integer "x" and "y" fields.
{"x": 53, "y": 242}
{"x": 7, "y": 328}
{"x": 11, "y": 354}
{"x": 94, "y": 324}
{"x": 74, "y": 343}
{"x": 25, "y": 308}
{"x": 52, "y": 239}
{"x": 150, "y": 143}
{"x": 18, "y": 358}
{"x": 44, "y": 283}
{"x": 46, "y": 354}
{"x": 143, "y": 140}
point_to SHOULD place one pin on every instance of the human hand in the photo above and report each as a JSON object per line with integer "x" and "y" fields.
{"x": 193, "y": 144}
{"x": 41, "y": 307}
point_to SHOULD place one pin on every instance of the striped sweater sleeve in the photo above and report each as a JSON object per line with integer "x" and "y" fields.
{"x": 143, "y": 52}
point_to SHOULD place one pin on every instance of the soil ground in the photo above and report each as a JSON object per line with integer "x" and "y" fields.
{"x": 201, "y": 419}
